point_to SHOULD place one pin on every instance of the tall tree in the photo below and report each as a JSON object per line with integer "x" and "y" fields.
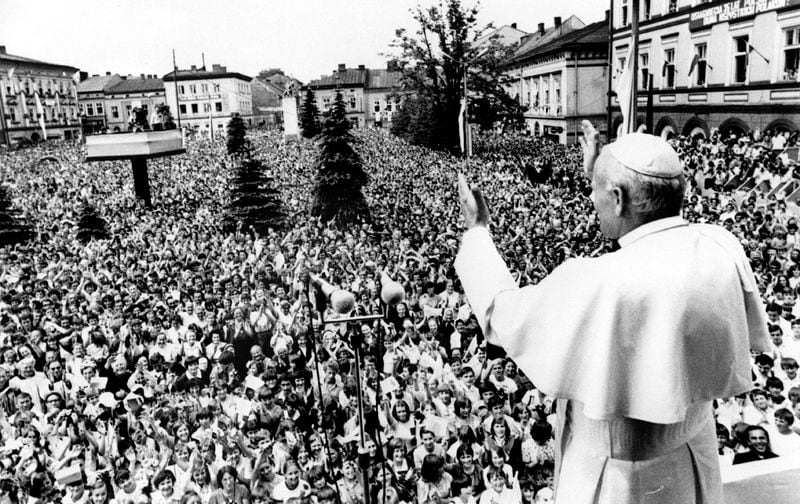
{"x": 14, "y": 228}
{"x": 436, "y": 60}
{"x": 237, "y": 141}
{"x": 255, "y": 203}
{"x": 340, "y": 176}
{"x": 309, "y": 115}
{"x": 91, "y": 225}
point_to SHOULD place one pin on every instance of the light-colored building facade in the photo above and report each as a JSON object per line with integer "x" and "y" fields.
{"x": 92, "y": 101}
{"x": 207, "y": 99}
{"x": 146, "y": 92}
{"x": 732, "y": 65}
{"x": 559, "y": 75}
{"x": 21, "y": 80}
{"x": 371, "y": 96}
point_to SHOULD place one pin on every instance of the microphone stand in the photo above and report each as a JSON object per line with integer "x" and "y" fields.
{"x": 313, "y": 336}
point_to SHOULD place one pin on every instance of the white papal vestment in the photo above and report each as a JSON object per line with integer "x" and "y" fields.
{"x": 635, "y": 345}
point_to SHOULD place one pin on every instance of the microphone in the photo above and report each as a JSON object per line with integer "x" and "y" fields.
{"x": 342, "y": 301}
{"x": 392, "y": 292}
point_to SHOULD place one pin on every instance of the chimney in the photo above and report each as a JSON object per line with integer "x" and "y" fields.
{"x": 223, "y": 68}
{"x": 96, "y": 75}
{"x": 608, "y": 15}
{"x": 342, "y": 67}
{"x": 557, "y": 21}
{"x": 215, "y": 68}
{"x": 2, "y": 49}
{"x": 194, "y": 68}
{"x": 361, "y": 67}
{"x": 541, "y": 28}
{"x": 108, "y": 73}
{"x": 514, "y": 25}
{"x": 141, "y": 76}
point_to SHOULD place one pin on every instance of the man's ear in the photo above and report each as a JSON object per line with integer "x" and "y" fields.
{"x": 619, "y": 201}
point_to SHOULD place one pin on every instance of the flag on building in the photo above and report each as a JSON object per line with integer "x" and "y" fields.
{"x": 12, "y": 82}
{"x": 23, "y": 98}
{"x": 77, "y": 77}
{"x": 40, "y": 113}
{"x": 750, "y": 49}
{"x": 461, "y": 120}
{"x": 695, "y": 60}
{"x": 626, "y": 96}
{"x": 58, "y": 105}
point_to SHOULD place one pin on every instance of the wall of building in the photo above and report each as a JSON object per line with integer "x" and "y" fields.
{"x": 232, "y": 96}
{"x": 118, "y": 107}
{"x": 49, "y": 82}
{"x": 764, "y": 93}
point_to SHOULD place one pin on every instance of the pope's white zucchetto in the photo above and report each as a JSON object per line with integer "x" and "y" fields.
{"x": 646, "y": 154}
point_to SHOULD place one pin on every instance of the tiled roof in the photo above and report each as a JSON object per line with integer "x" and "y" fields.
{"x": 595, "y": 33}
{"x": 350, "y": 77}
{"x": 98, "y": 83}
{"x": 536, "y": 39}
{"x": 136, "y": 86}
{"x": 21, "y": 60}
{"x": 382, "y": 78}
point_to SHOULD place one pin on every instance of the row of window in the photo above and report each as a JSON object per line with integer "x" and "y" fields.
{"x": 742, "y": 54}
{"x": 542, "y": 94}
{"x": 195, "y": 108}
{"x": 194, "y": 87}
{"x": 69, "y": 113}
{"x": 646, "y": 9}
{"x": 41, "y": 85}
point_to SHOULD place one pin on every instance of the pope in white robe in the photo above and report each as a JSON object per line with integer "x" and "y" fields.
{"x": 636, "y": 344}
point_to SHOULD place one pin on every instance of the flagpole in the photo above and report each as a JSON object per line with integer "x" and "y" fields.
{"x": 609, "y": 122}
{"x": 177, "y": 98}
{"x": 3, "y": 121}
{"x": 635, "y": 65}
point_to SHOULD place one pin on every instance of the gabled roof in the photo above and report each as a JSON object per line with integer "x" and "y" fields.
{"x": 13, "y": 60}
{"x": 267, "y": 86}
{"x": 505, "y": 35}
{"x": 533, "y": 41}
{"x": 595, "y": 33}
{"x": 98, "y": 83}
{"x": 265, "y": 95}
{"x": 136, "y": 86}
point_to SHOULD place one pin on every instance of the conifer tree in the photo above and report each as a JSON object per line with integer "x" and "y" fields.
{"x": 309, "y": 116}
{"x": 237, "y": 142}
{"x": 339, "y": 179}
{"x": 13, "y": 226}
{"x": 91, "y": 225}
{"x": 255, "y": 203}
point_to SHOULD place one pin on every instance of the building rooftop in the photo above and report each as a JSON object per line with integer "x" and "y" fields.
{"x": 21, "y": 60}
{"x": 98, "y": 83}
{"x": 137, "y": 85}
{"x": 194, "y": 73}
{"x": 557, "y": 38}
{"x": 369, "y": 78}
{"x": 506, "y": 35}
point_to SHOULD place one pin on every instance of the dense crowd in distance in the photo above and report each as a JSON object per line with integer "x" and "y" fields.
{"x": 176, "y": 363}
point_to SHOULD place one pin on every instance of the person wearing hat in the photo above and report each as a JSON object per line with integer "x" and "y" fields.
{"x": 623, "y": 341}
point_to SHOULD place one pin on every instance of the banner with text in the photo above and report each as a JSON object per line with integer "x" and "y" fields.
{"x": 735, "y": 10}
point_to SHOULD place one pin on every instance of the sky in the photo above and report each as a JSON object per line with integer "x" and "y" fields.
{"x": 306, "y": 38}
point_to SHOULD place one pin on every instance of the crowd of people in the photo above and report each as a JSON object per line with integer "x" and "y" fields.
{"x": 177, "y": 363}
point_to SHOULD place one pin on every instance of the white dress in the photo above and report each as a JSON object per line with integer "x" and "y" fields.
{"x": 635, "y": 344}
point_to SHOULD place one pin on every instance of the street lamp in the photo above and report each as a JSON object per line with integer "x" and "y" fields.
{"x": 466, "y": 147}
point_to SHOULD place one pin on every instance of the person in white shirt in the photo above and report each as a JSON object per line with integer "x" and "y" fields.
{"x": 760, "y": 412}
{"x": 789, "y": 375}
{"x": 784, "y": 440}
